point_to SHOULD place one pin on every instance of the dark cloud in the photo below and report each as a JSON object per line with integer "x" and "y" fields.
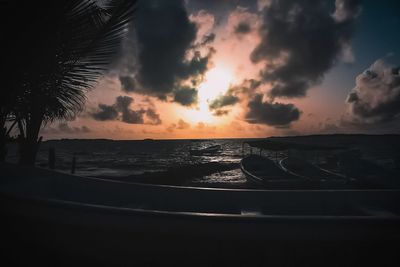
{"x": 207, "y": 39}
{"x": 122, "y": 103}
{"x": 153, "y": 117}
{"x": 105, "y": 113}
{"x": 130, "y": 116}
{"x": 180, "y": 125}
{"x": 133, "y": 117}
{"x": 185, "y": 96}
{"x": 223, "y": 101}
{"x": 234, "y": 95}
{"x": 221, "y": 8}
{"x": 273, "y": 114}
{"x": 127, "y": 83}
{"x": 121, "y": 110}
{"x": 242, "y": 28}
{"x": 376, "y": 97}
{"x": 64, "y": 128}
{"x": 346, "y": 9}
{"x": 301, "y": 40}
{"x": 221, "y": 112}
{"x": 196, "y": 66}
{"x": 164, "y": 34}
{"x": 248, "y": 87}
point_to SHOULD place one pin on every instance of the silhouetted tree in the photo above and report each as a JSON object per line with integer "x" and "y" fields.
{"x": 56, "y": 51}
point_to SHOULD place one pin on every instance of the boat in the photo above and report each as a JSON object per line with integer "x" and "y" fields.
{"x": 47, "y": 213}
{"x": 263, "y": 171}
{"x": 364, "y": 173}
{"x": 307, "y": 170}
{"x": 208, "y": 150}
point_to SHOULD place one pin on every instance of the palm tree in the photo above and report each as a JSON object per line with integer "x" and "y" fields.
{"x": 57, "y": 56}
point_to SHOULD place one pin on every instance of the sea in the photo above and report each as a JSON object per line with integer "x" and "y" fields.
{"x": 152, "y": 160}
{"x": 117, "y": 159}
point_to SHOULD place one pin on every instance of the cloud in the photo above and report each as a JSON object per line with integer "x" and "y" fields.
{"x": 247, "y": 87}
{"x": 121, "y": 110}
{"x": 300, "y": 41}
{"x": 330, "y": 127}
{"x": 180, "y": 125}
{"x": 346, "y": 9}
{"x": 133, "y": 117}
{"x": 221, "y": 112}
{"x": 164, "y": 34}
{"x": 105, "y": 113}
{"x": 224, "y": 100}
{"x": 242, "y": 28}
{"x": 273, "y": 114}
{"x": 122, "y": 103}
{"x": 222, "y": 7}
{"x": 204, "y": 23}
{"x": 376, "y": 96}
{"x": 185, "y": 96}
{"x": 127, "y": 83}
{"x": 207, "y": 39}
{"x": 201, "y": 126}
{"x": 236, "y": 93}
{"x": 154, "y": 118}
{"x": 242, "y": 21}
{"x": 64, "y": 128}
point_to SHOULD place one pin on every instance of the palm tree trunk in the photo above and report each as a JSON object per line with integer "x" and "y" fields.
{"x": 30, "y": 142}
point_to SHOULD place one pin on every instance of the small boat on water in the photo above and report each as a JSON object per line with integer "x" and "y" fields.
{"x": 208, "y": 150}
{"x": 307, "y": 170}
{"x": 263, "y": 171}
{"x": 286, "y": 171}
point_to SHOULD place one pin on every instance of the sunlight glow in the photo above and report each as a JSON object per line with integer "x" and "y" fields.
{"x": 216, "y": 83}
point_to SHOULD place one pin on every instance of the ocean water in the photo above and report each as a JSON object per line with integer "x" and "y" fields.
{"x": 148, "y": 160}
{"x": 116, "y": 159}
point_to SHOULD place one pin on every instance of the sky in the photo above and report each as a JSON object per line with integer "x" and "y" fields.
{"x": 237, "y": 68}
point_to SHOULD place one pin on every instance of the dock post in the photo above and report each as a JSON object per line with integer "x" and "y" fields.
{"x": 52, "y": 158}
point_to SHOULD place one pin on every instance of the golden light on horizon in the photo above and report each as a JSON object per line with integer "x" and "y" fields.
{"x": 216, "y": 82}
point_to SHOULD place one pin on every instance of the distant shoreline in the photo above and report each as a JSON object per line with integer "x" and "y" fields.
{"x": 229, "y": 138}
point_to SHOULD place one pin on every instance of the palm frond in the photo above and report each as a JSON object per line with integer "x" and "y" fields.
{"x": 70, "y": 55}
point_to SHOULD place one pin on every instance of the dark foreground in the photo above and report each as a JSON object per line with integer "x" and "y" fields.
{"x": 55, "y": 219}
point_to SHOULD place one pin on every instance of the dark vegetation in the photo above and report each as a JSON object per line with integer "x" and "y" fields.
{"x": 53, "y": 52}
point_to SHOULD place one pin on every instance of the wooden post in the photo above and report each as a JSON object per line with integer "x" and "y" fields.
{"x": 52, "y": 158}
{"x": 73, "y": 164}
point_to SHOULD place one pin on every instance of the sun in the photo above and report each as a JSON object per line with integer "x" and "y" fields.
{"x": 216, "y": 82}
